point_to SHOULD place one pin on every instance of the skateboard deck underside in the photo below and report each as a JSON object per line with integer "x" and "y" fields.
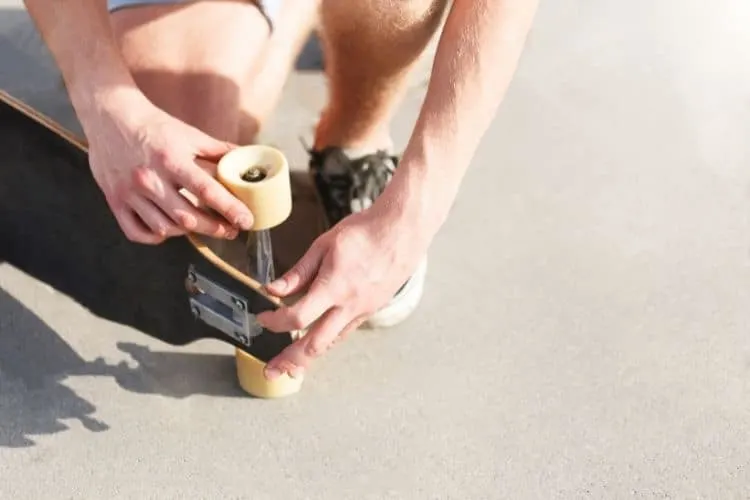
{"x": 56, "y": 226}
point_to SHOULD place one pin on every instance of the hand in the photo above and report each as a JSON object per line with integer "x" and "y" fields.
{"x": 349, "y": 272}
{"x": 149, "y": 165}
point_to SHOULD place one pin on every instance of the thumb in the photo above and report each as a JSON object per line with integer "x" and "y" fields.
{"x": 209, "y": 148}
{"x": 300, "y": 275}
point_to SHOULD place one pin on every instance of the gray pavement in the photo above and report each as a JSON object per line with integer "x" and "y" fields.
{"x": 584, "y": 331}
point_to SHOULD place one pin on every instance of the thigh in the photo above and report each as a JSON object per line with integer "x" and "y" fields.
{"x": 193, "y": 59}
{"x": 293, "y": 23}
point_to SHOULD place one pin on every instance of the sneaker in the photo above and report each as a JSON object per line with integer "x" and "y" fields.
{"x": 346, "y": 185}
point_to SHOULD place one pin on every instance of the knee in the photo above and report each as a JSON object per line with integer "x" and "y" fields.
{"x": 402, "y": 23}
{"x": 410, "y": 11}
{"x": 206, "y": 100}
{"x": 188, "y": 67}
{"x": 384, "y": 13}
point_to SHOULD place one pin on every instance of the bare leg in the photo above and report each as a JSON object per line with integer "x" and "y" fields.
{"x": 212, "y": 64}
{"x": 370, "y": 47}
{"x": 192, "y": 59}
{"x": 293, "y": 26}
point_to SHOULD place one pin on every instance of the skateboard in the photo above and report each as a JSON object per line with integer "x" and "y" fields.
{"x": 56, "y": 226}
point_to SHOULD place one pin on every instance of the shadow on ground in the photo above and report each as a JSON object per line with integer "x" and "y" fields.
{"x": 35, "y": 362}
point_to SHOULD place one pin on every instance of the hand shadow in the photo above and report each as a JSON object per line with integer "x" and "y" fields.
{"x": 173, "y": 374}
{"x": 34, "y": 361}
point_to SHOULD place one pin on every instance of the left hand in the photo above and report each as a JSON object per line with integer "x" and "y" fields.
{"x": 350, "y": 272}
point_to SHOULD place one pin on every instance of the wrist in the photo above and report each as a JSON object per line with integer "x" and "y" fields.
{"x": 414, "y": 201}
{"x": 100, "y": 86}
{"x": 122, "y": 104}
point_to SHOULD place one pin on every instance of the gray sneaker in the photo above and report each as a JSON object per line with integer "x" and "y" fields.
{"x": 347, "y": 185}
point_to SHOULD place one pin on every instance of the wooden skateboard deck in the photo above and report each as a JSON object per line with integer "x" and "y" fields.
{"x": 56, "y": 226}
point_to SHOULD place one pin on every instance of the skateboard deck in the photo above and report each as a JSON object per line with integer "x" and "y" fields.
{"x": 56, "y": 226}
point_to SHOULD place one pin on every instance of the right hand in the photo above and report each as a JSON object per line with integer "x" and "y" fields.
{"x": 144, "y": 160}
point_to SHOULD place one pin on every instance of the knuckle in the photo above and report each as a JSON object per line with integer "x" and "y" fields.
{"x": 173, "y": 167}
{"x": 142, "y": 178}
{"x": 165, "y": 161}
{"x": 184, "y": 219}
{"x": 161, "y": 231}
{"x": 114, "y": 198}
{"x": 338, "y": 257}
{"x": 161, "y": 159}
{"x": 203, "y": 191}
{"x": 339, "y": 239}
{"x": 297, "y": 322}
{"x": 342, "y": 253}
{"x": 120, "y": 193}
{"x": 303, "y": 270}
{"x": 315, "y": 348}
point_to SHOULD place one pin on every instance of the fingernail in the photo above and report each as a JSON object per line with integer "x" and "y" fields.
{"x": 232, "y": 234}
{"x": 244, "y": 222}
{"x": 272, "y": 373}
{"x": 280, "y": 285}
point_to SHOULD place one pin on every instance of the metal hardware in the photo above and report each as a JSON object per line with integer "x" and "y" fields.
{"x": 266, "y": 271}
{"x": 221, "y": 309}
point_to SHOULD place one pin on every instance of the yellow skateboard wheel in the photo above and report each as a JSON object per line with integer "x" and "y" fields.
{"x": 254, "y": 382}
{"x": 259, "y": 176}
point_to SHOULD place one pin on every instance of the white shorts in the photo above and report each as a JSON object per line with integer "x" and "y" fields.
{"x": 269, "y": 8}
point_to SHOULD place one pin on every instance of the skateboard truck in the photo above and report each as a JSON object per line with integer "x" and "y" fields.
{"x": 226, "y": 290}
{"x": 213, "y": 298}
{"x": 221, "y": 309}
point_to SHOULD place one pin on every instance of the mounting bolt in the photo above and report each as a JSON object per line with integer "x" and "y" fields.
{"x": 238, "y": 304}
{"x": 196, "y": 312}
{"x": 192, "y": 278}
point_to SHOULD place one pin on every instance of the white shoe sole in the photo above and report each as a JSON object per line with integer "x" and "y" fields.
{"x": 403, "y": 305}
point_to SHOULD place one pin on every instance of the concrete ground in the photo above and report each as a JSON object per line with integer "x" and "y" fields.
{"x": 584, "y": 331}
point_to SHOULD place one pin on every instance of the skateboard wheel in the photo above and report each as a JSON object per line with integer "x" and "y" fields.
{"x": 258, "y": 176}
{"x": 253, "y": 381}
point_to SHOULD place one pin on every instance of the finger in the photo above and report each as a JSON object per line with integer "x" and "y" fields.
{"x": 301, "y": 314}
{"x": 134, "y": 229}
{"x": 154, "y": 218}
{"x": 284, "y": 363}
{"x": 296, "y": 358}
{"x": 325, "y": 332}
{"x": 211, "y": 193}
{"x": 208, "y": 147}
{"x": 300, "y": 275}
{"x": 191, "y": 218}
{"x": 210, "y": 166}
{"x": 355, "y": 323}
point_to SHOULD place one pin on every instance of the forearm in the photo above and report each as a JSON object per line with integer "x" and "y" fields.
{"x": 475, "y": 62}
{"x": 79, "y": 37}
